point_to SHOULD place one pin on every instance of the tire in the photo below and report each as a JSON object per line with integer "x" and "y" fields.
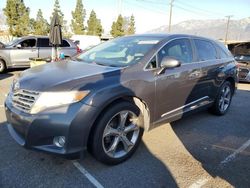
{"x": 2, "y": 66}
{"x": 112, "y": 140}
{"x": 223, "y": 99}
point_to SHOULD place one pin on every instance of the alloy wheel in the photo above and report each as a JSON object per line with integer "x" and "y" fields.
{"x": 120, "y": 134}
{"x": 225, "y": 98}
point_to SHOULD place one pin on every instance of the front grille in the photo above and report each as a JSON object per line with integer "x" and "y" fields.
{"x": 24, "y": 99}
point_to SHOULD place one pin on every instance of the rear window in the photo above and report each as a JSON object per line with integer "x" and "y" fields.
{"x": 205, "y": 49}
{"x": 43, "y": 42}
{"x": 65, "y": 44}
{"x": 221, "y": 52}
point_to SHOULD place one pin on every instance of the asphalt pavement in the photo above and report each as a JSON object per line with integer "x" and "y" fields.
{"x": 201, "y": 150}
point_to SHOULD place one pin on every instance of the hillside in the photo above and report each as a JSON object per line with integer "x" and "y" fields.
{"x": 238, "y": 29}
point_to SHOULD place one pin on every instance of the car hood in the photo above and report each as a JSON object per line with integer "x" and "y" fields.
{"x": 63, "y": 76}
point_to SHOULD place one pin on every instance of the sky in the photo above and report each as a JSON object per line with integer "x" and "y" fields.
{"x": 149, "y": 14}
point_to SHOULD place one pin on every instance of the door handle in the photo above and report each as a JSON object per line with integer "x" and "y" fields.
{"x": 195, "y": 74}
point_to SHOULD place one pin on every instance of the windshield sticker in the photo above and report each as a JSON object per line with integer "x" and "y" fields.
{"x": 148, "y": 42}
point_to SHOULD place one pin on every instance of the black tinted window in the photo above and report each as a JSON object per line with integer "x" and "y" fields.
{"x": 29, "y": 43}
{"x": 205, "y": 50}
{"x": 179, "y": 49}
{"x": 65, "y": 44}
{"x": 43, "y": 42}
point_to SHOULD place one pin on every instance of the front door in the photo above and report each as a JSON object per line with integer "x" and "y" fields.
{"x": 24, "y": 50}
{"x": 177, "y": 87}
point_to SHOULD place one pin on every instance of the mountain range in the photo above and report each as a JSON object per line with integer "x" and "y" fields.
{"x": 216, "y": 29}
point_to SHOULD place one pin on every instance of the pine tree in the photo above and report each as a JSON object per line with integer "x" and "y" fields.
{"x": 17, "y": 17}
{"x": 131, "y": 28}
{"x": 94, "y": 25}
{"x": 41, "y": 26}
{"x": 57, "y": 10}
{"x": 78, "y": 16}
{"x": 117, "y": 28}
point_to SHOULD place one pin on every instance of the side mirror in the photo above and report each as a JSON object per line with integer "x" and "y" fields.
{"x": 168, "y": 63}
{"x": 18, "y": 46}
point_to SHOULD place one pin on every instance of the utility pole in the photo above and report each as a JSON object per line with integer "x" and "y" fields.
{"x": 170, "y": 15}
{"x": 228, "y": 21}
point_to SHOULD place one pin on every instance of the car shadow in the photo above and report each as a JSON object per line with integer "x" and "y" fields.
{"x": 5, "y": 75}
{"x": 143, "y": 169}
{"x": 211, "y": 139}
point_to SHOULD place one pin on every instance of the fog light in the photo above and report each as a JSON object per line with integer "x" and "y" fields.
{"x": 59, "y": 141}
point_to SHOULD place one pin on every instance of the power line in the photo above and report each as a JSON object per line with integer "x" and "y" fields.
{"x": 193, "y": 11}
{"x": 136, "y": 4}
{"x": 197, "y": 9}
{"x": 153, "y": 2}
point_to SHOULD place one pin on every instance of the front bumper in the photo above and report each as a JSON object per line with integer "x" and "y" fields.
{"x": 38, "y": 131}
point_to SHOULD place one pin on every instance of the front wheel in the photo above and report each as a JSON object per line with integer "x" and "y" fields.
{"x": 223, "y": 99}
{"x": 117, "y": 134}
{"x": 2, "y": 66}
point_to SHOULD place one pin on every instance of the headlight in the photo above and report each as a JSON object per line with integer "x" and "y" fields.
{"x": 54, "y": 99}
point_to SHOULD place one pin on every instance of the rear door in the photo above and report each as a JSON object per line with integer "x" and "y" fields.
{"x": 211, "y": 65}
{"x": 68, "y": 49}
{"x": 20, "y": 55}
{"x": 178, "y": 87}
{"x": 44, "y": 47}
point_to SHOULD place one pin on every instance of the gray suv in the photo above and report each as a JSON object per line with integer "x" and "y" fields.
{"x": 16, "y": 54}
{"x": 103, "y": 99}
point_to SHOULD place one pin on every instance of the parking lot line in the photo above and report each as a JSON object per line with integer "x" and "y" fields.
{"x": 199, "y": 183}
{"x": 87, "y": 174}
{"x": 233, "y": 155}
{"x": 1, "y": 106}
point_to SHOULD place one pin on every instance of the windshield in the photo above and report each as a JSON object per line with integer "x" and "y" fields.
{"x": 12, "y": 42}
{"x": 119, "y": 52}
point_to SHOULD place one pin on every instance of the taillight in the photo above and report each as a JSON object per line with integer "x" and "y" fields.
{"x": 78, "y": 50}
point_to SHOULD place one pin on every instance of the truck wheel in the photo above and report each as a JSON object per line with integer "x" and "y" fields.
{"x": 223, "y": 99}
{"x": 117, "y": 134}
{"x": 2, "y": 66}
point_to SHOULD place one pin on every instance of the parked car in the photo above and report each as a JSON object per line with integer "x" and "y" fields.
{"x": 16, "y": 54}
{"x": 241, "y": 52}
{"x": 107, "y": 97}
{"x": 244, "y": 67}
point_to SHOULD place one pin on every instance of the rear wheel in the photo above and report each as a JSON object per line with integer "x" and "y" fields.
{"x": 2, "y": 66}
{"x": 117, "y": 134}
{"x": 223, "y": 99}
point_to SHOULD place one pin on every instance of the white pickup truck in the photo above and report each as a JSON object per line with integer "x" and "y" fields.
{"x": 18, "y": 52}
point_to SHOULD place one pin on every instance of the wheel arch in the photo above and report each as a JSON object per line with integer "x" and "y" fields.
{"x": 231, "y": 80}
{"x": 132, "y": 99}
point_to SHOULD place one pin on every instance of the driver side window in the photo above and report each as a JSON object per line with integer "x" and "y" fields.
{"x": 179, "y": 49}
{"x": 29, "y": 43}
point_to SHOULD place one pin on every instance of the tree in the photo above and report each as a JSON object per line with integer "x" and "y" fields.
{"x": 78, "y": 16}
{"x": 41, "y": 26}
{"x": 94, "y": 25}
{"x": 117, "y": 28}
{"x": 17, "y": 17}
{"x": 131, "y": 27}
{"x": 57, "y": 10}
{"x": 32, "y": 25}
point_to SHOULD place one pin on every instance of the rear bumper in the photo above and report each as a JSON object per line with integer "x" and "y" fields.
{"x": 38, "y": 131}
